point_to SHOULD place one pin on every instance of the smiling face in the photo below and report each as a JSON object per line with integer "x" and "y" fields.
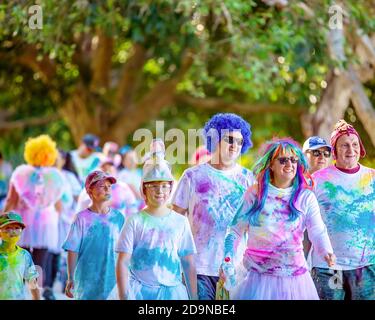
{"x": 284, "y": 169}
{"x": 101, "y": 191}
{"x": 347, "y": 151}
{"x": 230, "y": 146}
{"x": 157, "y": 193}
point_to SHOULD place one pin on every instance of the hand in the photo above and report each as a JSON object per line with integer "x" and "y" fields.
{"x": 68, "y": 289}
{"x": 330, "y": 258}
{"x": 222, "y": 274}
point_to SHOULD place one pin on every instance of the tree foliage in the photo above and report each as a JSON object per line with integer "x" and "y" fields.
{"x": 112, "y": 66}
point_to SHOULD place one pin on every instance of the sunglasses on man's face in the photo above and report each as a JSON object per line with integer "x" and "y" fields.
{"x": 231, "y": 140}
{"x": 284, "y": 160}
{"x": 317, "y": 153}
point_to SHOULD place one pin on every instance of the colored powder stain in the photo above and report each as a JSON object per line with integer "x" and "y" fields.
{"x": 145, "y": 258}
{"x": 201, "y": 214}
{"x": 3, "y": 263}
{"x": 365, "y": 181}
{"x": 204, "y": 186}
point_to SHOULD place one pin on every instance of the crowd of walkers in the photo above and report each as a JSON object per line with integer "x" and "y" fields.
{"x": 297, "y": 225}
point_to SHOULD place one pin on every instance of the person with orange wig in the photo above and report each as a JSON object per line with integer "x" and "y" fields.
{"x": 35, "y": 191}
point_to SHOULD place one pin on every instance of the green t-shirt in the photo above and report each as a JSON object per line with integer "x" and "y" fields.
{"x": 15, "y": 267}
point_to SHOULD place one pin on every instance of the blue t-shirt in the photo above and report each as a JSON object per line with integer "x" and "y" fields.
{"x": 93, "y": 236}
{"x": 15, "y": 267}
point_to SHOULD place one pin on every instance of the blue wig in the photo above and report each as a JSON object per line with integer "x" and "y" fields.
{"x": 226, "y": 122}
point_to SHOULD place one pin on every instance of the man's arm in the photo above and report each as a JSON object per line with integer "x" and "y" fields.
{"x": 179, "y": 210}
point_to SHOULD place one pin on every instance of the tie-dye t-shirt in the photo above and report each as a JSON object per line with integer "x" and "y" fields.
{"x": 156, "y": 245}
{"x": 347, "y": 204}
{"x": 15, "y": 267}
{"x": 275, "y": 246}
{"x": 212, "y": 198}
{"x": 94, "y": 236}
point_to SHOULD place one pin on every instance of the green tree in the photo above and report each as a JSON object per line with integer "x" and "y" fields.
{"x": 108, "y": 67}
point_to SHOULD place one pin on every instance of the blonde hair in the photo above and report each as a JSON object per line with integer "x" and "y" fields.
{"x": 40, "y": 151}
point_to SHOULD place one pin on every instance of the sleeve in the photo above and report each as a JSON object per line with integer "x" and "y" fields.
{"x": 316, "y": 228}
{"x": 73, "y": 241}
{"x": 238, "y": 226}
{"x": 125, "y": 242}
{"x": 30, "y": 269}
{"x": 181, "y": 195}
{"x": 187, "y": 245}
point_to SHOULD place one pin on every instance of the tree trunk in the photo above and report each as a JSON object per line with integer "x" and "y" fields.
{"x": 363, "y": 107}
{"x": 332, "y": 106}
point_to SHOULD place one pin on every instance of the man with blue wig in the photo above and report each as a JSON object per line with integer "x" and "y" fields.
{"x": 211, "y": 193}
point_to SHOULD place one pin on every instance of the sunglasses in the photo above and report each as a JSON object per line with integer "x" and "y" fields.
{"x": 284, "y": 160}
{"x": 232, "y": 140}
{"x": 317, "y": 153}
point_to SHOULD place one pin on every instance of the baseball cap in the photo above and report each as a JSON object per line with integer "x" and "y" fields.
{"x": 314, "y": 143}
{"x": 11, "y": 218}
{"x": 96, "y": 176}
{"x": 91, "y": 141}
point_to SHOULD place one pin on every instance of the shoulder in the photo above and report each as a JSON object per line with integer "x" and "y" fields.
{"x": 26, "y": 254}
{"x": 82, "y": 215}
{"x": 135, "y": 218}
{"x": 367, "y": 170}
{"x": 195, "y": 170}
{"x": 23, "y": 168}
{"x": 325, "y": 173}
{"x": 307, "y": 195}
{"x": 246, "y": 174}
{"x": 117, "y": 214}
{"x": 178, "y": 217}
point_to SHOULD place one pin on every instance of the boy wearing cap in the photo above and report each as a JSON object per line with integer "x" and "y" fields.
{"x": 91, "y": 242}
{"x": 157, "y": 242}
{"x": 317, "y": 152}
{"x": 346, "y": 196}
{"x": 16, "y": 264}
